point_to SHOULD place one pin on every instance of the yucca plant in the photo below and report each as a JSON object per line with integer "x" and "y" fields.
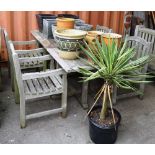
{"x": 116, "y": 66}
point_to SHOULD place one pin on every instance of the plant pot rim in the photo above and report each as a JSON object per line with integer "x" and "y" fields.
{"x": 94, "y": 33}
{"x": 105, "y": 127}
{"x": 112, "y": 35}
{"x": 65, "y": 19}
{"x": 78, "y": 34}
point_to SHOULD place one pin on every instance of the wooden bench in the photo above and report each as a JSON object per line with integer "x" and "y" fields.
{"x": 148, "y": 35}
{"x": 38, "y": 84}
{"x": 142, "y": 48}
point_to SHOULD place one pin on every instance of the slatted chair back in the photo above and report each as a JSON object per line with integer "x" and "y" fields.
{"x": 141, "y": 46}
{"x": 147, "y": 34}
{"x": 17, "y": 70}
{"x": 103, "y": 29}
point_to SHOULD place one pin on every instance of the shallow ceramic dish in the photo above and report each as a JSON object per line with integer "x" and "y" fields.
{"x": 71, "y": 33}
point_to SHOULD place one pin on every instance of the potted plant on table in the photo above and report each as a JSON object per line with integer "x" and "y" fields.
{"x": 117, "y": 68}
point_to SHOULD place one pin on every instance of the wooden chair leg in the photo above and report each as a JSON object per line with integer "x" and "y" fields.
{"x": 84, "y": 99}
{"x": 64, "y": 96}
{"x": 114, "y": 97}
{"x": 9, "y": 70}
{"x": 142, "y": 86}
{"x": 12, "y": 81}
{"x": 22, "y": 113}
{"x": 17, "y": 96}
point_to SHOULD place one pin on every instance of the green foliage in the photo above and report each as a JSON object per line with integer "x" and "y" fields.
{"x": 116, "y": 66}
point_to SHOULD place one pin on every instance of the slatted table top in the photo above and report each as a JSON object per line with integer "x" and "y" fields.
{"x": 50, "y": 45}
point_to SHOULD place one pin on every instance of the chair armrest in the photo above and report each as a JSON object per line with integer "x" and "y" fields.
{"x": 31, "y": 42}
{"x": 47, "y": 73}
{"x": 37, "y": 50}
{"x": 37, "y": 58}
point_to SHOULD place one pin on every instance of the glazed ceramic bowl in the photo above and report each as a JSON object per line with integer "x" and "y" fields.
{"x": 65, "y": 23}
{"x": 112, "y": 36}
{"x": 68, "y": 42}
{"x": 71, "y": 33}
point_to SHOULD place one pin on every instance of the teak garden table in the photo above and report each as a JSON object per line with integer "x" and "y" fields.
{"x": 69, "y": 66}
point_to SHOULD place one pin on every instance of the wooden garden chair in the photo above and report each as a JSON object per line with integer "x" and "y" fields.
{"x": 24, "y": 53}
{"x": 38, "y": 84}
{"x": 103, "y": 29}
{"x": 148, "y": 35}
{"x": 142, "y": 48}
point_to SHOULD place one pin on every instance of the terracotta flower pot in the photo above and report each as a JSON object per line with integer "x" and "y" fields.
{"x": 90, "y": 38}
{"x": 92, "y": 35}
{"x": 65, "y": 23}
{"x": 112, "y": 36}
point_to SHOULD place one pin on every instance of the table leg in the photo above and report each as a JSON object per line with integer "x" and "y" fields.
{"x": 84, "y": 97}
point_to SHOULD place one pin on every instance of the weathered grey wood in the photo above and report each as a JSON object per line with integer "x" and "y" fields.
{"x": 31, "y": 59}
{"x": 38, "y": 50}
{"x": 31, "y": 87}
{"x": 148, "y": 35}
{"x": 31, "y": 42}
{"x": 37, "y": 86}
{"x": 68, "y": 65}
{"x": 103, "y": 29}
{"x": 47, "y": 43}
{"x": 35, "y": 75}
{"x": 50, "y": 84}
{"x": 64, "y": 96}
{"x": 51, "y": 47}
{"x": 26, "y": 89}
{"x": 45, "y": 113}
{"x": 24, "y": 65}
{"x": 46, "y": 89}
{"x": 84, "y": 95}
{"x": 56, "y": 83}
{"x": 142, "y": 48}
{"x": 41, "y": 84}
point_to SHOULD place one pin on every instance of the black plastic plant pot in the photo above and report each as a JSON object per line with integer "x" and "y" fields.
{"x": 103, "y": 134}
{"x": 68, "y": 16}
{"x": 40, "y": 18}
